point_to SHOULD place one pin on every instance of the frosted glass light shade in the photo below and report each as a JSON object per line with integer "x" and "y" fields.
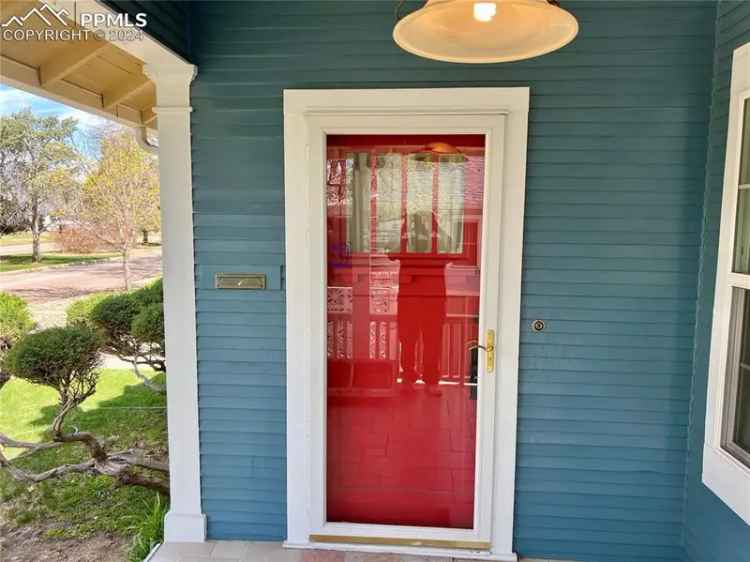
{"x": 467, "y": 31}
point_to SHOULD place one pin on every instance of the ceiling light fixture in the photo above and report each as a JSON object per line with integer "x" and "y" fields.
{"x": 485, "y": 32}
{"x": 484, "y": 11}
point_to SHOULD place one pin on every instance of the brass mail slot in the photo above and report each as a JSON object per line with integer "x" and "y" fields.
{"x": 240, "y": 281}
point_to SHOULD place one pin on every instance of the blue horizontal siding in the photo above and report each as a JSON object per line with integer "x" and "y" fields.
{"x": 712, "y": 531}
{"x": 615, "y": 189}
{"x": 167, "y": 21}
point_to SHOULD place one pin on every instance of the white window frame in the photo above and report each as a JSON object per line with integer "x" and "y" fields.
{"x": 502, "y": 115}
{"x": 723, "y": 473}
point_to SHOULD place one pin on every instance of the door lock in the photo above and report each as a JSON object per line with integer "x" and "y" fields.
{"x": 488, "y": 348}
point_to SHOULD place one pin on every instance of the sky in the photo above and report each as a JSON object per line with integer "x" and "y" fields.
{"x": 13, "y": 100}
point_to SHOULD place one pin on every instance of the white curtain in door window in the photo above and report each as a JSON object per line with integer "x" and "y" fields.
{"x": 420, "y": 179}
{"x": 358, "y": 192}
{"x": 450, "y": 205}
{"x": 434, "y": 186}
{"x": 388, "y": 185}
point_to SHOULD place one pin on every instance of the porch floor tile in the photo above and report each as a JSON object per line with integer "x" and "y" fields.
{"x": 242, "y": 551}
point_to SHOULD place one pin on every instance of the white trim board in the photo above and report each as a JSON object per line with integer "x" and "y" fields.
{"x": 723, "y": 474}
{"x": 501, "y": 114}
{"x": 185, "y": 520}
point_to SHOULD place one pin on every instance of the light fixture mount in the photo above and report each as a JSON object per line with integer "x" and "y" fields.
{"x": 478, "y": 31}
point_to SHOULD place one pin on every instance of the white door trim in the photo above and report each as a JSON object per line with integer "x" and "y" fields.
{"x": 502, "y": 115}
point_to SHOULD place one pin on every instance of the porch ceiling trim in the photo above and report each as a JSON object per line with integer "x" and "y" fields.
{"x": 25, "y": 77}
{"x": 99, "y": 76}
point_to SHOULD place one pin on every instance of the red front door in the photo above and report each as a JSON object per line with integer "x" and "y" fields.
{"x": 404, "y": 223}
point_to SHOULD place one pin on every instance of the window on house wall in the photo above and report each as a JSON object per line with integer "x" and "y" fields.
{"x": 736, "y": 419}
{"x": 736, "y": 414}
{"x": 742, "y": 224}
{"x": 726, "y": 456}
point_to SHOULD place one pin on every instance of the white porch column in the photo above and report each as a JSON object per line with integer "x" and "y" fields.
{"x": 185, "y": 521}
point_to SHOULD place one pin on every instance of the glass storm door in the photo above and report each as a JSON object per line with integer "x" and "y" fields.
{"x": 404, "y": 240}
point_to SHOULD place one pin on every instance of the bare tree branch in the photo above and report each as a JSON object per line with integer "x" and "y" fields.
{"x": 118, "y": 465}
{"x": 119, "y": 468}
{"x": 146, "y": 381}
{"x": 137, "y": 457}
{"x": 57, "y": 472}
{"x": 136, "y": 479}
{"x": 6, "y": 441}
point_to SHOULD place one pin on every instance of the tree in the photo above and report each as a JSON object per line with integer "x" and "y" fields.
{"x": 121, "y": 196}
{"x": 67, "y": 360}
{"x": 12, "y": 212}
{"x": 38, "y": 162}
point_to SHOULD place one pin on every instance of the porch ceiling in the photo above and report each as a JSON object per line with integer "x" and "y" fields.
{"x": 91, "y": 74}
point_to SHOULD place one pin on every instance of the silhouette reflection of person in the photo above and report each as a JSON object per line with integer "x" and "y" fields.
{"x": 421, "y": 317}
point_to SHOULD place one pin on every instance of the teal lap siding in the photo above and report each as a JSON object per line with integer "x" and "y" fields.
{"x": 615, "y": 189}
{"x": 712, "y": 530}
{"x": 167, "y": 20}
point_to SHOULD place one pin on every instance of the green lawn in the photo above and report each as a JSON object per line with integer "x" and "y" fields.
{"x": 81, "y": 505}
{"x": 22, "y": 238}
{"x": 23, "y": 261}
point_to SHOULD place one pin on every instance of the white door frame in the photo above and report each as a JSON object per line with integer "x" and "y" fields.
{"x": 501, "y": 114}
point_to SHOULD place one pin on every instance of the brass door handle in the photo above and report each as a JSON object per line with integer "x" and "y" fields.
{"x": 488, "y": 348}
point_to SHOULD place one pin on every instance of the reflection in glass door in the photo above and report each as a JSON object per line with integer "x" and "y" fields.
{"x": 404, "y": 224}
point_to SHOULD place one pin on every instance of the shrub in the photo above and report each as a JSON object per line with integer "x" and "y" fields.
{"x": 62, "y": 358}
{"x": 150, "y": 294}
{"x": 79, "y": 312}
{"x": 133, "y": 327}
{"x": 15, "y": 322}
{"x": 114, "y": 314}
{"x": 77, "y": 240}
{"x": 148, "y": 325}
{"x": 15, "y": 319}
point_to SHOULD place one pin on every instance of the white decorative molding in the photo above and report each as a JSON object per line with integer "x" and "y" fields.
{"x": 501, "y": 114}
{"x": 723, "y": 474}
{"x": 185, "y": 521}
